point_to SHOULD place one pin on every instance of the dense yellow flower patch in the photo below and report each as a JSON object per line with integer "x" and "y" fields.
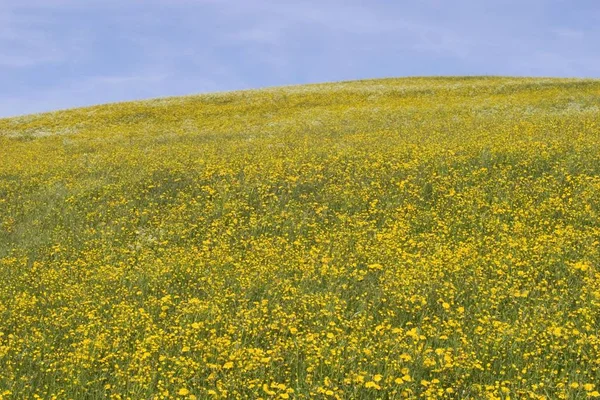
{"x": 404, "y": 238}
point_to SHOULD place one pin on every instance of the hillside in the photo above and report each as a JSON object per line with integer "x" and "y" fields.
{"x": 396, "y": 238}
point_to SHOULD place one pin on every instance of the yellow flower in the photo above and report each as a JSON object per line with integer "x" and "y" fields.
{"x": 372, "y": 385}
{"x": 267, "y": 390}
{"x": 377, "y": 267}
{"x": 581, "y": 266}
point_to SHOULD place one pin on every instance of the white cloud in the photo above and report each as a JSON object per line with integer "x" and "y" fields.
{"x": 568, "y": 33}
{"x": 270, "y": 35}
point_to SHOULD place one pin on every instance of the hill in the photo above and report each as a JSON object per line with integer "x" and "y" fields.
{"x": 397, "y": 238}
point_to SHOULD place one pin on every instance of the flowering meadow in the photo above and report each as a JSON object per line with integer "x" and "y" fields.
{"x": 426, "y": 238}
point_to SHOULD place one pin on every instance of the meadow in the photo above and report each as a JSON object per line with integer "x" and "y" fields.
{"x": 420, "y": 238}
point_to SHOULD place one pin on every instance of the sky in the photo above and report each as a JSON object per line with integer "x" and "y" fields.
{"x": 57, "y": 54}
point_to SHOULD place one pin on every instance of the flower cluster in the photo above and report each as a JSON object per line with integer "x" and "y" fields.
{"x": 432, "y": 238}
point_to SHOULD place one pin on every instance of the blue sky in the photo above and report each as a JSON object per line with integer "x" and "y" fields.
{"x": 66, "y": 53}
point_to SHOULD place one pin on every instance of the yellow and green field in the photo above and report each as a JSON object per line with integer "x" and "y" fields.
{"x": 401, "y": 238}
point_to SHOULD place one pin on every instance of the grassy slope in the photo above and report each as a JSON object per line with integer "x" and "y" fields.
{"x": 403, "y": 237}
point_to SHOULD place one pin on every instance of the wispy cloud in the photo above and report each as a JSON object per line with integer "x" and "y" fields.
{"x": 569, "y": 33}
{"x": 24, "y": 43}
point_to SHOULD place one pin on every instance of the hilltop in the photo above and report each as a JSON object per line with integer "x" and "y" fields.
{"x": 394, "y": 238}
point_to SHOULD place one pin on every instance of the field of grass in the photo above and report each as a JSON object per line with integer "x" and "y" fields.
{"x": 402, "y": 238}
